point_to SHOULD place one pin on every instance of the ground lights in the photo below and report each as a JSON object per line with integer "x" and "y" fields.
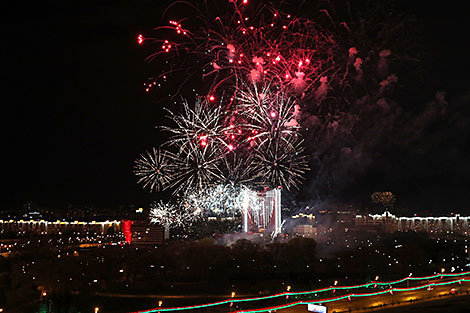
{"x": 328, "y": 300}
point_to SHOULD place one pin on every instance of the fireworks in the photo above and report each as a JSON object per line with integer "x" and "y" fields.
{"x": 254, "y": 45}
{"x": 386, "y": 198}
{"x": 223, "y": 146}
{"x": 270, "y": 80}
{"x": 155, "y": 169}
{"x": 281, "y": 163}
{"x": 173, "y": 216}
{"x": 237, "y": 168}
{"x": 267, "y": 115}
{"x": 195, "y": 203}
{"x": 198, "y": 125}
{"x": 198, "y": 167}
{"x": 164, "y": 214}
{"x": 221, "y": 200}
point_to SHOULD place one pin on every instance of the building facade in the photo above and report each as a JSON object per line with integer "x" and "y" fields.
{"x": 56, "y": 227}
{"x": 390, "y": 223}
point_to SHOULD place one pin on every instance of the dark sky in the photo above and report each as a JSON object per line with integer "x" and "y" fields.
{"x": 75, "y": 115}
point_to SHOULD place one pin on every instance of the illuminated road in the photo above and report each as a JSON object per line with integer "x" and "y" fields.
{"x": 366, "y": 297}
{"x": 388, "y": 300}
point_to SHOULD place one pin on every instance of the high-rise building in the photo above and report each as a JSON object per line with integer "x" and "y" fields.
{"x": 143, "y": 232}
{"x": 262, "y": 211}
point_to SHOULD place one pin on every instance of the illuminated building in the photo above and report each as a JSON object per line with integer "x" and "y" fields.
{"x": 144, "y": 232}
{"x": 263, "y": 213}
{"x": 388, "y": 222}
{"x": 140, "y": 232}
{"x": 54, "y": 227}
{"x": 305, "y": 230}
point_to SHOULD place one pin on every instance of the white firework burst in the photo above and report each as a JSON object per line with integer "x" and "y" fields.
{"x": 198, "y": 167}
{"x": 268, "y": 114}
{"x": 173, "y": 216}
{"x": 281, "y": 163}
{"x": 199, "y": 125}
{"x": 156, "y": 169}
{"x": 222, "y": 200}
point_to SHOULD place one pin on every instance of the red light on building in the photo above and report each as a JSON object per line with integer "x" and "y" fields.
{"x": 126, "y": 226}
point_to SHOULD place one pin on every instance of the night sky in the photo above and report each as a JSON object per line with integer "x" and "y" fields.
{"x": 76, "y": 116}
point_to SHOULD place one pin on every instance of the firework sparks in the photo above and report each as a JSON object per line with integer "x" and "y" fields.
{"x": 198, "y": 125}
{"x": 173, "y": 216}
{"x": 237, "y": 168}
{"x": 155, "y": 169}
{"x": 271, "y": 63}
{"x": 281, "y": 163}
{"x": 220, "y": 200}
{"x": 386, "y": 198}
{"x": 267, "y": 115}
{"x": 164, "y": 214}
{"x": 260, "y": 44}
{"x": 223, "y": 200}
{"x": 277, "y": 70}
{"x": 263, "y": 148}
{"x": 253, "y": 139}
{"x": 270, "y": 80}
{"x": 198, "y": 167}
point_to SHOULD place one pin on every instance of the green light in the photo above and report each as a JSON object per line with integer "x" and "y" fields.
{"x": 353, "y": 296}
{"x": 315, "y": 292}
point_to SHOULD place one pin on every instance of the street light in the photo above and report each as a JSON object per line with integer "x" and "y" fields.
{"x": 443, "y": 270}
{"x": 97, "y": 309}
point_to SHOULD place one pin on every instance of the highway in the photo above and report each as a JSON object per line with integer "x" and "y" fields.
{"x": 360, "y": 299}
{"x": 389, "y": 300}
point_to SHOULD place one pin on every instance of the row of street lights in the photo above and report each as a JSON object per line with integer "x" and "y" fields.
{"x": 233, "y": 294}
